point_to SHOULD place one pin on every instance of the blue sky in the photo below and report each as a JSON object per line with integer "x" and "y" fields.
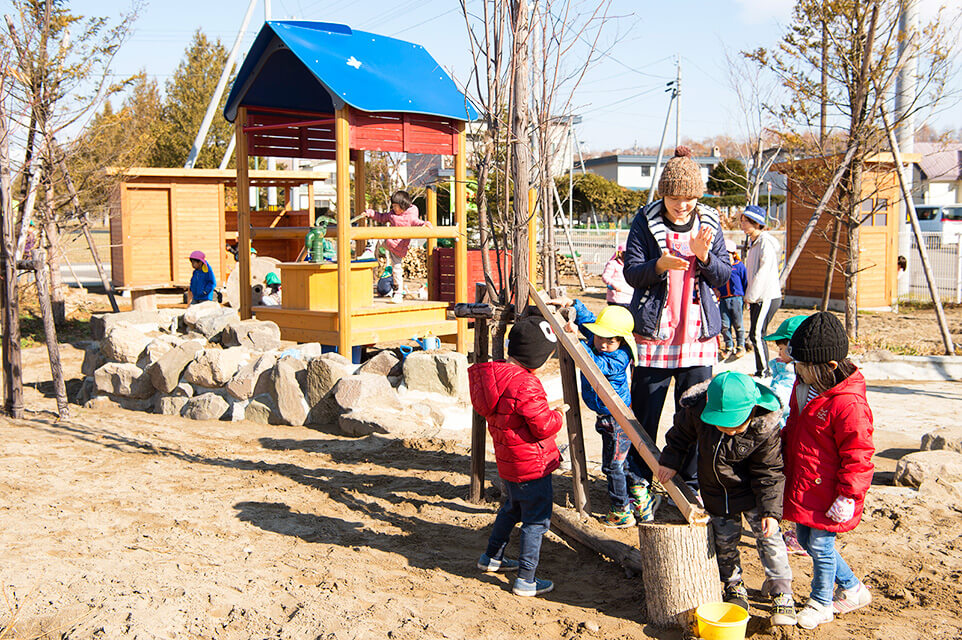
{"x": 621, "y": 100}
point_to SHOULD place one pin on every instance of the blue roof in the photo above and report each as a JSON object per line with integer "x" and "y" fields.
{"x": 320, "y": 66}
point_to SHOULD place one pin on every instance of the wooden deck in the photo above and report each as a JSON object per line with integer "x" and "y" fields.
{"x": 383, "y": 321}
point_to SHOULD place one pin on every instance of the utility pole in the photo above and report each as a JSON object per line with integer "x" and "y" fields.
{"x": 678, "y": 102}
{"x": 520, "y": 149}
{"x": 904, "y": 119}
{"x": 673, "y": 88}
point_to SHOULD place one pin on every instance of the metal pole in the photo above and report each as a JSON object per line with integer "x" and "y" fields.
{"x": 661, "y": 149}
{"x": 571, "y": 174}
{"x": 958, "y": 269}
{"x": 678, "y": 103}
{"x": 219, "y": 91}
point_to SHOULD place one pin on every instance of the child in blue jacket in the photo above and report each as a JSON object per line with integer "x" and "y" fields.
{"x": 611, "y": 346}
{"x": 731, "y": 303}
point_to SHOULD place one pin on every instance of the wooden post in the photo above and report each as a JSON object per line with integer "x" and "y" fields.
{"x": 243, "y": 215}
{"x": 42, "y": 275}
{"x": 311, "y": 212}
{"x": 431, "y": 204}
{"x": 532, "y": 235}
{"x": 342, "y": 134}
{"x": 143, "y": 300}
{"x": 679, "y": 571}
{"x": 478, "y": 423}
{"x": 576, "y": 436}
{"x": 461, "y": 242}
{"x": 360, "y": 196}
{"x": 12, "y": 373}
{"x": 681, "y": 493}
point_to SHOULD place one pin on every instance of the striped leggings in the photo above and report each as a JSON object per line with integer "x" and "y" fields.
{"x": 760, "y": 314}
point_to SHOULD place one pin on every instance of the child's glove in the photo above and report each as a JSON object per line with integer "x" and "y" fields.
{"x": 842, "y": 509}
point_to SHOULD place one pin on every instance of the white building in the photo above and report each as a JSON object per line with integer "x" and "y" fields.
{"x": 635, "y": 171}
{"x": 938, "y": 175}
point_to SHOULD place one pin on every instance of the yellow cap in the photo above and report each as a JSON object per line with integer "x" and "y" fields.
{"x": 615, "y": 321}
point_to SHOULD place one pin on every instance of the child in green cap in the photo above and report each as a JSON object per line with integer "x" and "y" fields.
{"x": 733, "y": 422}
{"x": 783, "y": 374}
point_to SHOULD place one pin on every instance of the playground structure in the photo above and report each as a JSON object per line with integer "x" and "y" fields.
{"x": 878, "y": 234}
{"x": 323, "y": 91}
{"x": 189, "y": 207}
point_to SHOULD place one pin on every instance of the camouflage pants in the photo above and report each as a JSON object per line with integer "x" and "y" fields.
{"x": 771, "y": 552}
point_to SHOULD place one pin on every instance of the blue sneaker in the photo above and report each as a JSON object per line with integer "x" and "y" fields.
{"x": 491, "y": 565}
{"x": 534, "y": 587}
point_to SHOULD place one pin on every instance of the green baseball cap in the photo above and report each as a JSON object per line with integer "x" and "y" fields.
{"x": 786, "y": 329}
{"x": 271, "y": 278}
{"x": 731, "y": 398}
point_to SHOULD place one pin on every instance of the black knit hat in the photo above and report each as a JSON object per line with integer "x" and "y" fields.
{"x": 820, "y": 338}
{"x": 531, "y": 342}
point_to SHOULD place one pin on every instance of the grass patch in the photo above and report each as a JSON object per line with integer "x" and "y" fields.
{"x": 32, "y": 333}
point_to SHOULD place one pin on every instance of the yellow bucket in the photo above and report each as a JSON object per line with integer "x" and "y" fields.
{"x": 721, "y": 621}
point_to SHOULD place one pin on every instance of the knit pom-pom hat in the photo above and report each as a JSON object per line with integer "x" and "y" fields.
{"x": 819, "y": 338}
{"x": 681, "y": 177}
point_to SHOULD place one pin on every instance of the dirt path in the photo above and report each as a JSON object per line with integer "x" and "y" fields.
{"x": 127, "y": 525}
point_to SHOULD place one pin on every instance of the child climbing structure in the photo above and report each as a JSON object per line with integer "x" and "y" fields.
{"x": 320, "y": 90}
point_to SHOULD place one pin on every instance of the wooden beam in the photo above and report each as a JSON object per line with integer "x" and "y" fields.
{"x": 576, "y": 435}
{"x": 431, "y": 204}
{"x": 381, "y": 233}
{"x": 360, "y": 197}
{"x": 243, "y": 216}
{"x": 461, "y": 241}
{"x": 342, "y": 134}
{"x": 683, "y": 496}
{"x": 478, "y": 423}
{"x": 570, "y": 524}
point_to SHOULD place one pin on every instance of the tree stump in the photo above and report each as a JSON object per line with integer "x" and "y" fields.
{"x": 679, "y": 571}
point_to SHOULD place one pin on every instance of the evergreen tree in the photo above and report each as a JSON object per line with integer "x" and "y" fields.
{"x": 728, "y": 178}
{"x": 187, "y": 94}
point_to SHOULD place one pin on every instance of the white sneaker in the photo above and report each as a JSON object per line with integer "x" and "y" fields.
{"x": 397, "y": 298}
{"x": 848, "y": 600}
{"x": 814, "y": 614}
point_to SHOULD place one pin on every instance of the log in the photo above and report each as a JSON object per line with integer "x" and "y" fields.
{"x": 570, "y": 524}
{"x": 679, "y": 571}
{"x": 42, "y": 273}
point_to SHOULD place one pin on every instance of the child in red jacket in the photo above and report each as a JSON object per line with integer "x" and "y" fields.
{"x": 828, "y": 462}
{"x": 522, "y": 425}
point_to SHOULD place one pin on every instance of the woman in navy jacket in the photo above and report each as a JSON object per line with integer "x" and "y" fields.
{"x": 674, "y": 259}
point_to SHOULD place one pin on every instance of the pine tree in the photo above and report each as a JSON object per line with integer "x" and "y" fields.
{"x": 187, "y": 94}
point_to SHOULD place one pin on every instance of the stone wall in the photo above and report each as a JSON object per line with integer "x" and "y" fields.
{"x": 205, "y": 363}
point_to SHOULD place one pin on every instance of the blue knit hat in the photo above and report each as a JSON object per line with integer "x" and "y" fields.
{"x": 756, "y": 214}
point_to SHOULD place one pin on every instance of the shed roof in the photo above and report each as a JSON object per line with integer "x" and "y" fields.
{"x": 941, "y": 162}
{"x": 320, "y": 66}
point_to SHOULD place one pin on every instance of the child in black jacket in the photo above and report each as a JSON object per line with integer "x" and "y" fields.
{"x": 733, "y": 421}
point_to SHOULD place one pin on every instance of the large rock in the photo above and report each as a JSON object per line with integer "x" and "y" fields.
{"x": 365, "y": 390}
{"x": 165, "y": 373}
{"x": 307, "y": 351}
{"x": 208, "y": 406}
{"x": 915, "y": 468}
{"x": 107, "y": 401}
{"x": 948, "y": 438}
{"x": 144, "y": 321}
{"x": 93, "y": 359}
{"x": 385, "y": 363}
{"x": 444, "y": 372}
{"x": 253, "y": 334}
{"x": 87, "y": 390}
{"x": 212, "y": 325}
{"x": 323, "y": 373}
{"x": 287, "y": 395}
{"x": 155, "y": 349}
{"x": 169, "y": 405}
{"x": 123, "y": 379}
{"x": 364, "y": 422}
{"x": 260, "y": 409}
{"x": 196, "y": 312}
{"x": 426, "y": 413}
{"x": 214, "y": 367}
{"x": 253, "y": 378}
{"x": 123, "y": 344}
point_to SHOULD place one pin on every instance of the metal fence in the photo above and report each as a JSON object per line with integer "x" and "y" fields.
{"x": 945, "y": 258}
{"x": 594, "y": 247}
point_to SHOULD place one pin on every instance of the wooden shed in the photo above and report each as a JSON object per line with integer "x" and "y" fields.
{"x": 878, "y": 236}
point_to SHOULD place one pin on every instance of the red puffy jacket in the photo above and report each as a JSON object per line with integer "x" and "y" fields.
{"x": 827, "y": 449}
{"x": 522, "y": 425}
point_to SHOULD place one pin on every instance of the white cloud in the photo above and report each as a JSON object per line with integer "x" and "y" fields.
{"x": 760, "y": 11}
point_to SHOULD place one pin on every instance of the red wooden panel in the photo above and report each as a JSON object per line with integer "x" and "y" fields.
{"x": 307, "y": 136}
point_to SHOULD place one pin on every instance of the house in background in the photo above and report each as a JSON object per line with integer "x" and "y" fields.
{"x": 635, "y": 171}
{"x": 938, "y": 174}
